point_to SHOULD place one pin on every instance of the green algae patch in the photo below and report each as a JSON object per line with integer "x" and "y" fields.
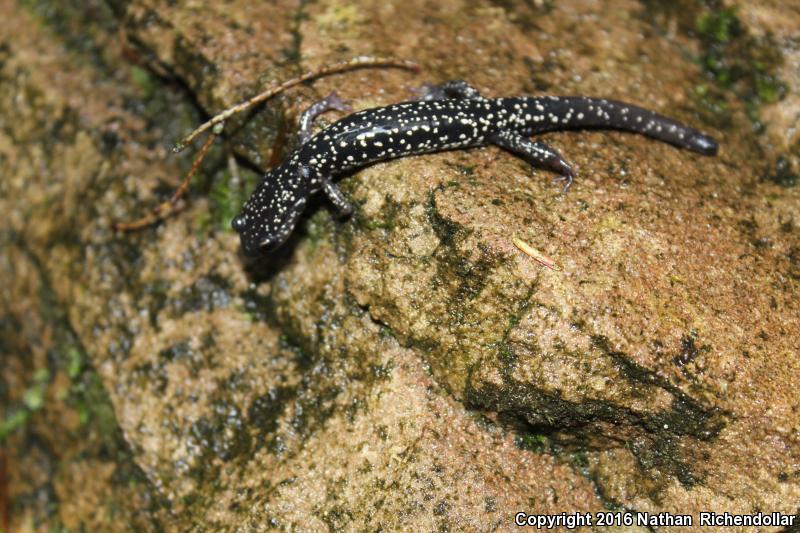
{"x": 63, "y": 421}
{"x": 226, "y": 190}
{"x": 735, "y": 62}
{"x": 562, "y": 425}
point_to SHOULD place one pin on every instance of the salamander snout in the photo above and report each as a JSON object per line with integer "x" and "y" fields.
{"x": 259, "y": 234}
{"x": 271, "y": 213}
{"x": 239, "y": 223}
{"x": 251, "y": 245}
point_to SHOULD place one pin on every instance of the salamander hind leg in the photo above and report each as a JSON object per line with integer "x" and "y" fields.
{"x": 449, "y": 90}
{"x": 343, "y": 206}
{"x": 329, "y": 103}
{"x": 537, "y": 154}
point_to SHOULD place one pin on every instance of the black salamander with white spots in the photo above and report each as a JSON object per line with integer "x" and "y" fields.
{"x": 447, "y": 117}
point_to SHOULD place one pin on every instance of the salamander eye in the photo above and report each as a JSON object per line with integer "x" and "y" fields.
{"x": 239, "y": 223}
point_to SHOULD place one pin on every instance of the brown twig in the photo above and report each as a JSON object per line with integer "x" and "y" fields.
{"x": 163, "y": 207}
{"x": 217, "y": 123}
{"x": 130, "y": 52}
{"x": 352, "y": 64}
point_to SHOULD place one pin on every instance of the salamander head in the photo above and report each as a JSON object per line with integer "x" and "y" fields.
{"x": 271, "y": 213}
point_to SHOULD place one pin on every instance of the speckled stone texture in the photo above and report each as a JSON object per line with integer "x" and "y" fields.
{"x": 408, "y": 367}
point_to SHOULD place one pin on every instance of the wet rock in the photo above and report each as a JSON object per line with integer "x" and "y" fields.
{"x": 409, "y": 366}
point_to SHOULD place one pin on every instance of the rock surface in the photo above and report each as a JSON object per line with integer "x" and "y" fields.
{"x": 408, "y": 367}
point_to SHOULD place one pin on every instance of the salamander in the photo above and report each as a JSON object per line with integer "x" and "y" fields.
{"x": 450, "y": 116}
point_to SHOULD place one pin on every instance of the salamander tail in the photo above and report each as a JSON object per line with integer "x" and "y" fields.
{"x": 571, "y": 112}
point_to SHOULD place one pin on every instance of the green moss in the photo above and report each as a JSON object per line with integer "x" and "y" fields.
{"x": 227, "y": 193}
{"x": 738, "y": 62}
{"x": 533, "y": 442}
{"x": 94, "y": 407}
{"x": 98, "y": 439}
{"x": 145, "y": 81}
{"x": 33, "y": 397}
{"x": 470, "y": 276}
{"x": 15, "y": 418}
{"x": 507, "y": 356}
{"x": 83, "y": 393}
{"x": 317, "y": 227}
{"x": 386, "y": 332}
{"x": 720, "y": 26}
{"x": 654, "y": 444}
{"x": 686, "y": 417}
{"x": 74, "y": 361}
{"x": 445, "y": 229}
{"x": 579, "y": 459}
{"x": 735, "y": 63}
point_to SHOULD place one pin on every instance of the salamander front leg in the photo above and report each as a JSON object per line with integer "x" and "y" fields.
{"x": 537, "y": 154}
{"x": 453, "y": 89}
{"x": 343, "y": 207}
{"x": 330, "y": 102}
